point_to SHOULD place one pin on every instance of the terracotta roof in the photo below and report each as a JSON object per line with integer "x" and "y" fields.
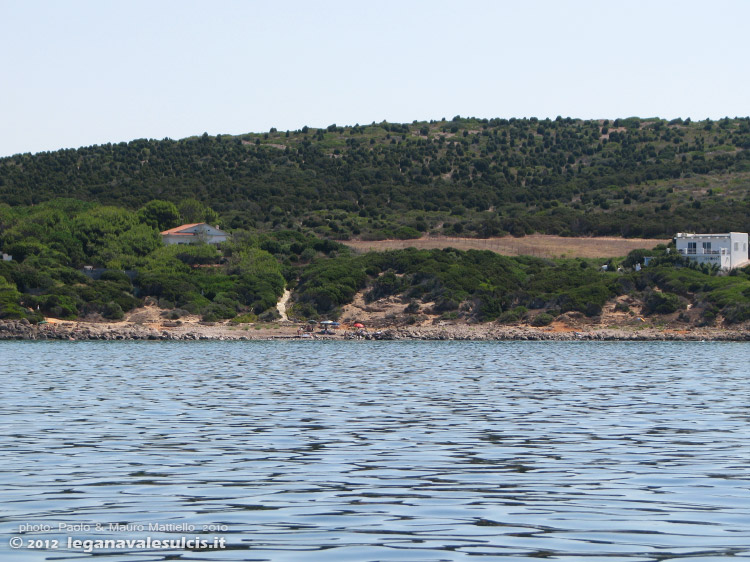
{"x": 177, "y": 229}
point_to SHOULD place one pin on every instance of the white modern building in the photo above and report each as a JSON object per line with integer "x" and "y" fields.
{"x": 726, "y": 251}
{"x": 194, "y": 234}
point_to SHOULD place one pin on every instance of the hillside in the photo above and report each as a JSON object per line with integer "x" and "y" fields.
{"x": 469, "y": 177}
{"x": 243, "y": 280}
{"x": 286, "y": 195}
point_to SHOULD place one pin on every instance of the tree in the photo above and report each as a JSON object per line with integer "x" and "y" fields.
{"x": 161, "y": 215}
{"x": 192, "y": 210}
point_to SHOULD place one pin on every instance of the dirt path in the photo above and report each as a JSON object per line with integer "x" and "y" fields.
{"x": 281, "y": 305}
{"x": 540, "y": 245}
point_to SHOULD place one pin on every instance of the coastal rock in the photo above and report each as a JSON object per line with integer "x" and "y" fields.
{"x": 187, "y": 331}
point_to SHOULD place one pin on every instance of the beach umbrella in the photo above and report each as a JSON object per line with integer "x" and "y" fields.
{"x": 328, "y": 322}
{"x": 358, "y": 325}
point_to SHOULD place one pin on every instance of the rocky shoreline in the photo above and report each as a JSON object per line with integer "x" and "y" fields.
{"x": 193, "y": 331}
{"x": 523, "y": 333}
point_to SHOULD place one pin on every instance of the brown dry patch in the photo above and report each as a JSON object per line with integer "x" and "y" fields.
{"x": 632, "y": 317}
{"x": 374, "y": 313}
{"x": 144, "y": 315}
{"x": 558, "y": 327}
{"x": 152, "y": 316}
{"x": 384, "y": 312}
{"x": 540, "y": 245}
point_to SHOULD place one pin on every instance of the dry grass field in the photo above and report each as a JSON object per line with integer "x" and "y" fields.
{"x": 540, "y": 245}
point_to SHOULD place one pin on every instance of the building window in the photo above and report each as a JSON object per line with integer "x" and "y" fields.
{"x": 707, "y": 247}
{"x": 736, "y": 246}
{"x": 691, "y": 247}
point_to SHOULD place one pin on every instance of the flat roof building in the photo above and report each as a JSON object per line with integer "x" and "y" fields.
{"x": 726, "y": 251}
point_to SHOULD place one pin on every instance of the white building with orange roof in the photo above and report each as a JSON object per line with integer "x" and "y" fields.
{"x": 194, "y": 233}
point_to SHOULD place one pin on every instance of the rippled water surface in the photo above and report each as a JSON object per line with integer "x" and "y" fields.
{"x": 378, "y": 450}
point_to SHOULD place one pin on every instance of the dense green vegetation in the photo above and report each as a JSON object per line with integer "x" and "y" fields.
{"x": 711, "y": 295}
{"x": 242, "y": 279}
{"x": 475, "y": 177}
{"x": 482, "y": 286}
{"x": 479, "y": 285}
{"x": 52, "y": 242}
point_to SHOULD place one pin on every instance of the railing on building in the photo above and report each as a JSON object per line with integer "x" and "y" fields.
{"x": 701, "y": 252}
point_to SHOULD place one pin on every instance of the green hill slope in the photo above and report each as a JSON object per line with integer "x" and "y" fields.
{"x": 475, "y": 177}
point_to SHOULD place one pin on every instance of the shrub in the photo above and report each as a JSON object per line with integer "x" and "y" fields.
{"x": 175, "y": 314}
{"x": 592, "y": 309}
{"x": 412, "y": 308}
{"x": 308, "y": 254}
{"x": 446, "y": 304}
{"x": 247, "y": 318}
{"x": 708, "y": 317}
{"x": 112, "y": 311}
{"x": 58, "y": 306}
{"x": 736, "y": 313}
{"x": 118, "y": 277}
{"x": 216, "y": 311}
{"x": 512, "y": 316}
{"x": 386, "y": 285}
{"x": 407, "y": 233}
{"x": 662, "y": 303}
{"x": 9, "y": 301}
{"x": 269, "y": 315}
{"x": 542, "y": 319}
{"x": 198, "y": 254}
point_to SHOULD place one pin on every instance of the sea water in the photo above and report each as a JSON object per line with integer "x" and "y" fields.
{"x": 341, "y": 451}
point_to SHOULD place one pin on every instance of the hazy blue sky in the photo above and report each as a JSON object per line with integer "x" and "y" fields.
{"x": 82, "y": 72}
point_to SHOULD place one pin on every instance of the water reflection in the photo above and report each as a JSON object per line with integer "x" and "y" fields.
{"x": 381, "y": 450}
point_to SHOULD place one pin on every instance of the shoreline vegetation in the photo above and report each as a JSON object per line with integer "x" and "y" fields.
{"x": 250, "y": 286}
{"x": 428, "y": 294}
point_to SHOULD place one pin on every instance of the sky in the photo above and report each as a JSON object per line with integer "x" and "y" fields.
{"x": 84, "y": 72}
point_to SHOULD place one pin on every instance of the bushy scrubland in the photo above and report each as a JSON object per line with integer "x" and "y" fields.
{"x": 52, "y": 242}
{"x": 482, "y": 286}
{"x": 244, "y": 278}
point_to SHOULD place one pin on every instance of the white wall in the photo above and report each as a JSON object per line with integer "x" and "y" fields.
{"x": 739, "y": 241}
{"x": 723, "y": 251}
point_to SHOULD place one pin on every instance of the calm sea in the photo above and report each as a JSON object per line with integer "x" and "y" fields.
{"x": 387, "y": 451}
